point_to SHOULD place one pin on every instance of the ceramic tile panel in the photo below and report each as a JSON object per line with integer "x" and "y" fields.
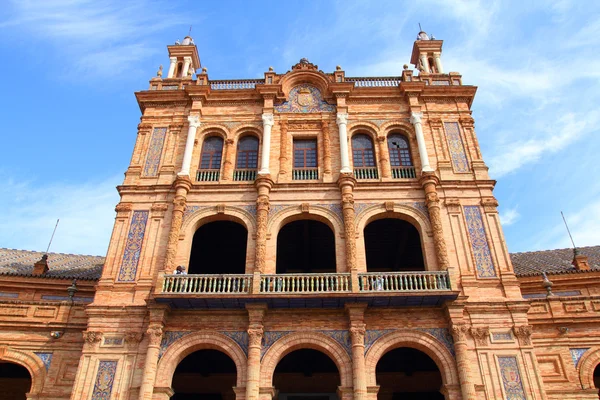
{"x": 105, "y": 378}
{"x": 155, "y": 152}
{"x": 479, "y": 242}
{"x": 456, "y": 147}
{"x": 133, "y": 246}
{"x": 511, "y": 378}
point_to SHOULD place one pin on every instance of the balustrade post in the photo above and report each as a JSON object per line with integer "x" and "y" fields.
{"x": 263, "y": 185}
{"x": 384, "y": 157}
{"x": 229, "y": 160}
{"x": 346, "y": 184}
{"x": 183, "y": 184}
{"x": 429, "y": 181}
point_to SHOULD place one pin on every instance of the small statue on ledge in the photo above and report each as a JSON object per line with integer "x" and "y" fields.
{"x": 160, "y": 71}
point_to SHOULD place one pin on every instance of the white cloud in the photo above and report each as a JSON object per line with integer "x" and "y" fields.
{"x": 509, "y": 217}
{"x": 86, "y": 213}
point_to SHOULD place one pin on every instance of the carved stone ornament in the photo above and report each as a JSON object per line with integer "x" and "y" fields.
{"x": 179, "y": 203}
{"x": 304, "y": 64}
{"x": 305, "y": 207}
{"x": 155, "y": 335}
{"x": 489, "y": 204}
{"x": 459, "y": 332}
{"x": 133, "y": 337}
{"x": 342, "y": 118}
{"x": 194, "y": 121}
{"x": 268, "y": 119}
{"x": 389, "y": 206}
{"x": 453, "y": 205}
{"x": 255, "y": 336}
{"x": 357, "y": 334}
{"x": 220, "y": 208}
{"x": 523, "y": 332}
{"x": 92, "y": 337}
{"x": 481, "y": 335}
{"x": 124, "y": 207}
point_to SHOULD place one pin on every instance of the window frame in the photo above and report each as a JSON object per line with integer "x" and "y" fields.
{"x": 295, "y": 141}
{"x": 363, "y": 151}
{"x": 399, "y": 151}
{"x": 211, "y": 153}
{"x": 247, "y": 153}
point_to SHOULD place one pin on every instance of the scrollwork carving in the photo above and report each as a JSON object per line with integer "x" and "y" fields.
{"x": 481, "y": 335}
{"x": 523, "y": 332}
{"x": 459, "y": 332}
{"x": 357, "y": 334}
{"x": 92, "y": 337}
{"x": 255, "y": 336}
{"x": 154, "y": 334}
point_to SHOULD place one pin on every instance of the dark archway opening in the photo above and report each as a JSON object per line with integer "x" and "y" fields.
{"x": 393, "y": 245}
{"x": 205, "y": 375}
{"x": 597, "y": 379}
{"x": 306, "y": 374}
{"x": 305, "y": 246}
{"x": 15, "y": 381}
{"x": 219, "y": 248}
{"x": 408, "y": 374}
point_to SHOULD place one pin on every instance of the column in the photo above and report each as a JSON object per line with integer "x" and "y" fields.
{"x": 438, "y": 63}
{"x": 459, "y": 333}
{"x": 326, "y": 147}
{"x": 424, "y": 63}
{"x": 384, "y": 157}
{"x": 263, "y": 186}
{"x": 194, "y": 123}
{"x": 266, "y": 144}
{"x": 229, "y": 160}
{"x": 283, "y": 147}
{"x": 346, "y": 184}
{"x": 342, "y": 121}
{"x": 429, "y": 181}
{"x": 172, "y": 66}
{"x": 256, "y": 313}
{"x": 186, "y": 66}
{"x": 415, "y": 119}
{"x": 154, "y": 334}
{"x": 357, "y": 337}
{"x": 183, "y": 184}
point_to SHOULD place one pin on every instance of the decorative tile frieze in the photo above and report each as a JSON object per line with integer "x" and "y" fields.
{"x": 240, "y": 337}
{"x": 499, "y": 337}
{"x": 443, "y": 335}
{"x": 189, "y": 210}
{"x": 342, "y": 337}
{"x": 105, "y": 378}
{"x": 576, "y": 355}
{"x": 133, "y": 246}
{"x": 154, "y": 152}
{"x": 269, "y": 338}
{"x": 251, "y": 208}
{"x": 336, "y": 208}
{"x": 113, "y": 341}
{"x": 305, "y": 98}
{"x": 168, "y": 338}
{"x": 479, "y": 242}
{"x": 45, "y": 357}
{"x": 275, "y": 208}
{"x": 456, "y": 147}
{"x": 371, "y": 336}
{"x": 511, "y": 378}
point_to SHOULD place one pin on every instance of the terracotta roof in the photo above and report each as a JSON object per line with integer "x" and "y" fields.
{"x": 553, "y": 261}
{"x": 61, "y": 266}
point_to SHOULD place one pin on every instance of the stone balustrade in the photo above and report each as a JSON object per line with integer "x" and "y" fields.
{"x": 404, "y": 172}
{"x": 404, "y": 281}
{"x": 207, "y": 284}
{"x": 235, "y": 84}
{"x": 384, "y": 81}
{"x": 305, "y": 283}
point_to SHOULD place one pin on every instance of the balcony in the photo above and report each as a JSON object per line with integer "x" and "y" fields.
{"x": 305, "y": 174}
{"x": 422, "y": 288}
{"x": 404, "y": 173}
{"x": 208, "y": 175}
{"x": 366, "y": 173}
{"x": 244, "y": 175}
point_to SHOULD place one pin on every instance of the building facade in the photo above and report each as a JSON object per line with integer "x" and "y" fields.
{"x": 340, "y": 239}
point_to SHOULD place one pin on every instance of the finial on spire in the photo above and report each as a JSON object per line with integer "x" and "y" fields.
{"x": 190, "y": 31}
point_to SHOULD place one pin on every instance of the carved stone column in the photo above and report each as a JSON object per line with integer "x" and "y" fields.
{"x": 342, "y": 121}
{"x": 154, "y": 333}
{"x": 415, "y": 119}
{"x": 283, "y": 147}
{"x": 172, "y": 64}
{"x": 256, "y": 313}
{"x": 183, "y": 184}
{"x": 356, "y": 314}
{"x": 384, "y": 157}
{"x": 268, "y": 123}
{"x": 229, "y": 163}
{"x": 263, "y": 185}
{"x": 346, "y": 184}
{"x": 429, "y": 182}
{"x": 459, "y": 333}
{"x": 326, "y": 147}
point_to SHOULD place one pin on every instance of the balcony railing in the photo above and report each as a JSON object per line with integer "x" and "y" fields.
{"x": 305, "y": 174}
{"x": 244, "y": 175}
{"x": 235, "y": 84}
{"x": 404, "y": 172}
{"x": 384, "y": 81}
{"x": 307, "y": 283}
{"x": 404, "y": 281}
{"x": 207, "y": 284}
{"x": 366, "y": 173}
{"x": 208, "y": 175}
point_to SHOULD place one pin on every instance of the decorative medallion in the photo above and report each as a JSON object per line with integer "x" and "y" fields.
{"x": 305, "y": 98}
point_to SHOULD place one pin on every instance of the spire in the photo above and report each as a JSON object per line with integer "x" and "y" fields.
{"x": 184, "y": 59}
{"x": 427, "y": 53}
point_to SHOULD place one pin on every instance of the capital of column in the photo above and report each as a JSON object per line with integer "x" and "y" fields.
{"x": 194, "y": 121}
{"x": 342, "y": 118}
{"x": 428, "y": 177}
{"x": 268, "y": 119}
{"x": 173, "y": 60}
{"x": 346, "y": 179}
{"x": 415, "y": 117}
{"x": 183, "y": 183}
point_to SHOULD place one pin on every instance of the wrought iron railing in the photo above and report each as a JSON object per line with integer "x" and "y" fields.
{"x": 305, "y": 283}
{"x": 366, "y": 173}
{"x": 404, "y": 172}
{"x": 404, "y": 281}
{"x": 305, "y": 174}
{"x": 207, "y": 284}
{"x": 384, "y": 81}
{"x": 235, "y": 84}
{"x": 208, "y": 175}
{"x": 244, "y": 175}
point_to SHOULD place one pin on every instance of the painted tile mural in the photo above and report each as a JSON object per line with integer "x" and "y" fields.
{"x": 46, "y": 359}
{"x": 576, "y": 355}
{"x": 168, "y": 338}
{"x": 104, "y": 380}
{"x": 305, "y": 98}
{"x": 511, "y": 378}
{"x": 342, "y": 337}
{"x": 133, "y": 247}
{"x": 155, "y": 151}
{"x": 241, "y": 338}
{"x": 269, "y": 338}
{"x": 479, "y": 243}
{"x": 456, "y": 147}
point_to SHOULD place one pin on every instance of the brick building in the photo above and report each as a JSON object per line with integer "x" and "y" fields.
{"x": 341, "y": 241}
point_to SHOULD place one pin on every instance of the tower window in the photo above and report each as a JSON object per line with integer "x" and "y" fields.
{"x": 362, "y": 151}
{"x": 399, "y": 151}
{"x": 212, "y": 150}
{"x": 247, "y": 154}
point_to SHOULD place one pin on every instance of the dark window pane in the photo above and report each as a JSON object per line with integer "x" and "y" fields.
{"x": 362, "y": 151}
{"x": 305, "y": 154}
{"x": 212, "y": 148}
{"x": 399, "y": 151}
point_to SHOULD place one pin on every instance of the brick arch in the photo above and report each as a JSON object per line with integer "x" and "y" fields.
{"x": 243, "y": 129}
{"x": 306, "y": 340}
{"x": 368, "y": 126}
{"x": 188, "y": 344}
{"x": 35, "y": 366}
{"x": 588, "y": 362}
{"x": 421, "y": 341}
{"x": 210, "y": 129}
{"x": 406, "y": 127}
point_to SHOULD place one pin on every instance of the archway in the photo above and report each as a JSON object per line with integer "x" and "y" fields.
{"x": 306, "y": 374}
{"x": 205, "y": 375}
{"x": 15, "y": 381}
{"x": 305, "y": 246}
{"x": 219, "y": 247}
{"x": 408, "y": 374}
{"x": 393, "y": 245}
{"x": 597, "y": 378}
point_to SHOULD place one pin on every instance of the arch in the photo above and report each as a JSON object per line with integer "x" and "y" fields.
{"x": 219, "y": 247}
{"x": 298, "y": 77}
{"x": 213, "y": 129}
{"x": 33, "y": 364}
{"x": 400, "y": 125}
{"x": 242, "y": 130}
{"x": 188, "y": 344}
{"x": 207, "y": 214}
{"x": 247, "y": 149}
{"x": 367, "y": 126}
{"x": 364, "y": 154}
{"x": 315, "y": 212}
{"x": 400, "y": 211}
{"x": 305, "y": 246}
{"x": 393, "y": 244}
{"x": 306, "y": 340}
{"x": 421, "y": 341}
{"x": 399, "y": 150}
{"x": 587, "y": 365}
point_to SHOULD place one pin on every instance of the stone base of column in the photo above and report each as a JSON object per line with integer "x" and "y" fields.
{"x": 162, "y": 393}
{"x": 267, "y": 393}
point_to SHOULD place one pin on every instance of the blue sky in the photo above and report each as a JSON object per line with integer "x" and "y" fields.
{"x": 71, "y": 68}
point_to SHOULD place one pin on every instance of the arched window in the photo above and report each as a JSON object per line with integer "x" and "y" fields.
{"x": 247, "y": 153}
{"x": 362, "y": 151}
{"x": 212, "y": 149}
{"x": 399, "y": 151}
